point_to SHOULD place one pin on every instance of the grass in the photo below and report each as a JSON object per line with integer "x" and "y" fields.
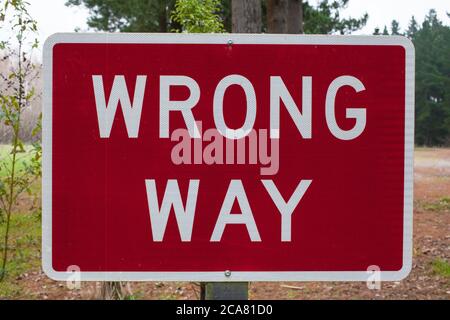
{"x": 25, "y": 230}
{"x": 441, "y": 268}
{"x": 25, "y": 252}
{"x": 291, "y": 294}
{"x": 441, "y": 205}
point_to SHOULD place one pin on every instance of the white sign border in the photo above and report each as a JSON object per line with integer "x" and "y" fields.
{"x": 362, "y": 275}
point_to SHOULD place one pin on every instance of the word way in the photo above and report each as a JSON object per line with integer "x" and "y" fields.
{"x": 159, "y": 214}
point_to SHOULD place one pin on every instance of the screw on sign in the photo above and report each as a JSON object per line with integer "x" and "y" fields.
{"x": 181, "y": 157}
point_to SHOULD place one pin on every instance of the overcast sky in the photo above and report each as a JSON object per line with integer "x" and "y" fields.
{"x": 382, "y": 12}
{"x": 53, "y": 16}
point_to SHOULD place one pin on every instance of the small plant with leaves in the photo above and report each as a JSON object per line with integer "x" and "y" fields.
{"x": 20, "y": 166}
{"x": 198, "y": 16}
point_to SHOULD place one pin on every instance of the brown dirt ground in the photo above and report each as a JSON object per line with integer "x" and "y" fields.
{"x": 431, "y": 243}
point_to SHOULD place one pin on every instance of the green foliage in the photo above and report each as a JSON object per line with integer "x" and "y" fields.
{"x": 129, "y": 15}
{"x": 413, "y": 27}
{"x": 154, "y": 15}
{"x": 198, "y": 16}
{"x": 325, "y": 18}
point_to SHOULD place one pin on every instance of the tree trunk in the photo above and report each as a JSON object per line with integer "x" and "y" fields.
{"x": 284, "y": 16}
{"x": 295, "y": 17}
{"x": 246, "y": 16}
{"x": 112, "y": 290}
{"x": 277, "y": 12}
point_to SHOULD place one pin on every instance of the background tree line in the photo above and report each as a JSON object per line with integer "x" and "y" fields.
{"x": 271, "y": 16}
{"x": 432, "y": 42}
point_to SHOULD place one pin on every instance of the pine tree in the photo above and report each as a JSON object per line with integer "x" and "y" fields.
{"x": 395, "y": 28}
{"x": 432, "y": 43}
{"x": 413, "y": 27}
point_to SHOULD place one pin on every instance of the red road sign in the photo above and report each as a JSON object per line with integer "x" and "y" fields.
{"x": 227, "y": 157}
